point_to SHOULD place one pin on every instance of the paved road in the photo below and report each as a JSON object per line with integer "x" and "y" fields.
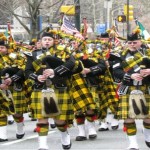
{"x": 109, "y": 140}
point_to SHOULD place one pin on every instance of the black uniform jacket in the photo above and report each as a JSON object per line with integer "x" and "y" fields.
{"x": 125, "y": 76}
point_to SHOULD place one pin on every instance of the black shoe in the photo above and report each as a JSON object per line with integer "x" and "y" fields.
{"x": 42, "y": 149}
{"x": 33, "y": 119}
{"x": 3, "y": 140}
{"x": 20, "y": 136}
{"x": 148, "y": 144}
{"x": 133, "y": 149}
{"x": 103, "y": 129}
{"x": 115, "y": 127}
{"x": 34, "y": 130}
{"x": 81, "y": 138}
{"x": 92, "y": 136}
{"x": 66, "y": 146}
{"x": 52, "y": 126}
{"x": 10, "y": 122}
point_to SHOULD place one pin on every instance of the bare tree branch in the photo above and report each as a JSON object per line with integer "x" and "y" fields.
{"x": 29, "y": 3}
{"x": 51, "y": 5}
{"x": 36, "y": 8}
{"x": 25, "y": 27}
{"x": 55, "y": 15}
{"x": 21, "y": 16}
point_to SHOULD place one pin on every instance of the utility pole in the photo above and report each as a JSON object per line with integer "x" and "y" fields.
{"x": 107, "y": 6}
{"x": 128, "y": 25}
{"x": 77, "y": 14}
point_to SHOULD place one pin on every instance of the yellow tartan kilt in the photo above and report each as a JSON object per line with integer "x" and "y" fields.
{"x": 81, "y": 94}
{"x": 107, "y": 95}
{"x": 94, "y": 92}
{"x": 64, "y": 104}
{"x": 123, "y": 108}
{"x": 20, "y": 101}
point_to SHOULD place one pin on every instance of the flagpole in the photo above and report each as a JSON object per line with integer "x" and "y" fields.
{"x": 77, "y": 14}
{"x": 136, "y": 21}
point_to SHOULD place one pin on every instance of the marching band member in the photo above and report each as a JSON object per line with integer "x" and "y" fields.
{"x": 12, "y": 84}
{"x": 131, "y": 69}
{"x": 107, "y": 91}
{"x": 83, "y": 100}
{"x": 54, "y": 76}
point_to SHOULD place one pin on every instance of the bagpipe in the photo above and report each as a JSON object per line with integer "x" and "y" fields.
{"x": 9, "y": 71}
{"x": 52, "y": 62}
{"x": 62, "y": 69}
{"x": 49, "y": 100}
{"x": 145, "y": 63}
{"x": 114, "y": 57}
{"x": 91, "y": 59}
{"x": 91, "y": 79}
{"x": 89, "y": 62}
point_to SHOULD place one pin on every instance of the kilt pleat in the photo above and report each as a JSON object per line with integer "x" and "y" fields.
{"x": 20, "y": 102}
{"x": 65, "y": 105}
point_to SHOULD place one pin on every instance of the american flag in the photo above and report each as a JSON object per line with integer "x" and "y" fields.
{"x": 69, "y": 28}
{"x": 117, "y": 42}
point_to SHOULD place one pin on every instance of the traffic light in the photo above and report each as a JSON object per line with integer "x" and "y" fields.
{"x": 130, "y": 14}
{"x": 121, "y": 18}
{"x": 68, "y": 10}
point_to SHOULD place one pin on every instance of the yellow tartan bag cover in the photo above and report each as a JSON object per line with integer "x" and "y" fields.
{"x": 137, "y": 105}
{"x": 49, "y": 103}
{"x": 9, "y": 98}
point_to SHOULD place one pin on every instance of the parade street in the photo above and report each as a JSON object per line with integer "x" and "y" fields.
{"x": 108, "y": 140}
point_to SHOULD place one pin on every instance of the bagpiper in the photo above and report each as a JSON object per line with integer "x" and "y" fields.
{"x": 134, "y": 90}
{"x": 12, "y": 85}
{"x": 50, "y": 98}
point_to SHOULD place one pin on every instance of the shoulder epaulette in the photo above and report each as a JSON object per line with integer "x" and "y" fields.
{"x": 27, "y": 53}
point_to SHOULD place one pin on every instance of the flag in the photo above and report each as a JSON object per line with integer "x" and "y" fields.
{"x": 117, "y": 42}
{"x": 144, "y": 32}
{"x": 107, "y": 54}
{"x": 10, "y": 39}
{"x": 84, "y": 32}
{"x": 9, "y": 27}
{"x": 69, "y": 28}
{"x": 6, "y": 32}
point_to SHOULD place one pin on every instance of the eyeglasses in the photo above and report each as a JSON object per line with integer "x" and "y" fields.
{"x": 132, "y": 42}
